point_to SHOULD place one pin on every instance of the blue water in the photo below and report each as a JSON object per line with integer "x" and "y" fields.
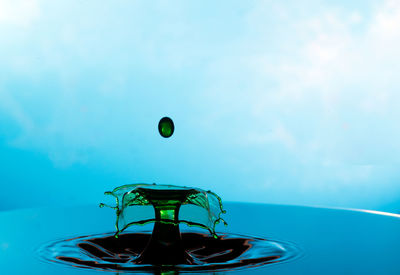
{"x": 332, "y": 241}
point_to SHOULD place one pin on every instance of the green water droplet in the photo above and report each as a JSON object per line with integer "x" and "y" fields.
{"x": 166, "y": 127}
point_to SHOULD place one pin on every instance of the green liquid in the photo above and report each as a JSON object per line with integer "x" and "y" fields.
{"x": 166, "y": 127}
{"x": 139, "y": 204}
{"x": 203, "y": 209}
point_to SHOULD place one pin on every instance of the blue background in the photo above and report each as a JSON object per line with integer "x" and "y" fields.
{"x": 273, "y": 102}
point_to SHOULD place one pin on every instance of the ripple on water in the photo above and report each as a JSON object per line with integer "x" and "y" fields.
{"x": 228, "y": 252}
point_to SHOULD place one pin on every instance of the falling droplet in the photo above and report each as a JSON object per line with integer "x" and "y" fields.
{"x": 166, "y": 127}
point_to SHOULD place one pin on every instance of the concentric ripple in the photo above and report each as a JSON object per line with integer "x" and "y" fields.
{"x": 229, "y": 251}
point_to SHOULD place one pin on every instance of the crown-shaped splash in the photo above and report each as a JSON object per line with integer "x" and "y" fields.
{"x": 166, "y": 206}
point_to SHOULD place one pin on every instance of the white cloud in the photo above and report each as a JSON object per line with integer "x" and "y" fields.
{"x": 279, "y": 134}
{"x": 320, "y": 82}
{"x": 331, "y": 74}
{"x": 13, "y": 109}
{"x": 18, "y": 12}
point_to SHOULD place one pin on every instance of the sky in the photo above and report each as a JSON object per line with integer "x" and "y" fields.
{"x": 288, "y": 102}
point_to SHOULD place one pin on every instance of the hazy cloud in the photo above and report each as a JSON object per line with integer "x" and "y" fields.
{"x": 294, "y": 96}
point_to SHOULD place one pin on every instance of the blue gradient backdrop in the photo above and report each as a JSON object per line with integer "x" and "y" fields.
{"x": 288, "y": 102}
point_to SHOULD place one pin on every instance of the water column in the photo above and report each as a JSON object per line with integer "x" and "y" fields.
{"x": 165, "y": 245}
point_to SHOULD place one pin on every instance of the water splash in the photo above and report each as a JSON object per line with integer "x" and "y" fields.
{"x": 139, "y": 204}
